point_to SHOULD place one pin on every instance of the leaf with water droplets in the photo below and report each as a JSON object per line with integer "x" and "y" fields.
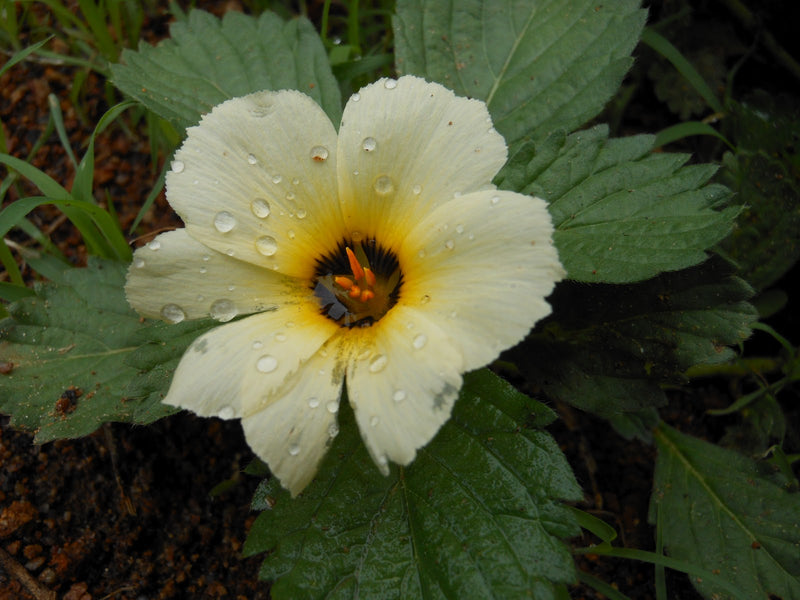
{"x": 181, "y": 79}
{"x": 78, "y": 354}
{"x": 478, "y": 514}
{"x": 539, "y": 66}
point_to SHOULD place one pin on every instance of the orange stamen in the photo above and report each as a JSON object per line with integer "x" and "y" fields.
{"x": 367, "y": 295}
{"x": 354, "y": 292}
{"x": 355, "y": 267}
{"x": 343, "y": 282}
{"x": 369, "y": 277}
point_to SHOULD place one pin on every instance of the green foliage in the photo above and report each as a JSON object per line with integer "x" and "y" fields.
{"x": 477, "y": 515}
{"x": 76, "y": 349}
{"x": 720, "y": 510}
{"x": 621, "y": 213}
{"x": 540, "y": 66}
{"x": 182, "y": 78}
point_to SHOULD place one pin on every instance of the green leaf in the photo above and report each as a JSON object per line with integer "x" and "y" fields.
{"x": 476, "y": 515}
{"x": 621, "y": 213}
{"x": 539, "y": 65}
{"x": 609, "y": 351}
{"x": 81, "y": 357}
{"x": 207, "y": 61}
{"x": 719, "y": 511}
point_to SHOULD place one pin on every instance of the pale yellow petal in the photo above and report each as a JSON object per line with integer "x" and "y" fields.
{"x": 256, "y": 179}
{"x": 402, "y": 383}
{"x": 481, "y": 267}
{"x": 406, "y": 146}
{"x": 236, "y": 369}
{"x": 174, "y": 277}
{"x": 293, "y": 432}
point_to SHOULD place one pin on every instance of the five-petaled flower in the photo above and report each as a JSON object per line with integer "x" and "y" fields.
{"x": 380, "y": 257}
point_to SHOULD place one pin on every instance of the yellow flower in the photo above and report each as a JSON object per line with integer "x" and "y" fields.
{"x": 381, "y": 257}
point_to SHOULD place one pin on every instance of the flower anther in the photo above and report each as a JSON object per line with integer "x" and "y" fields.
{"x": 379, "y": 257}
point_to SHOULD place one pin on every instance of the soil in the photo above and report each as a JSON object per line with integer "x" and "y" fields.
{"x": 161, "y": 512}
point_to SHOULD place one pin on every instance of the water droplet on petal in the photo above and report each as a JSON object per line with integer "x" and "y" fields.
{"x": 301, "y": 213}
{"x": 206, "y": 258}
{"x": 224, "y": 221}
{"x": 425, "y": 299}
{"x": 384, "y": 185}
{"x": 399, "y": 396}
{"x": 257, "y": 345}
{"x": 313, "y": 402}
{"x": 369, "y": 144}
{"x": 459, "y": 229}
{"x": 260, "y": 208}
{"x": 280, "y": 337}
{"x": 319, "y": 154}
{"x": 421, "y": 253}
{"x": 267, "y": 364}
{"x": 449, "y": 244}
{"x": 374, "y": 421}
{"x": 333, "y": 406}
{"x": 378, "y": 363}
{"x": 251, "y": 159}
{"x": 390, "y": 84}
{"x": 226, "y": 412}
{"x": 291, "y": 234}
{"x": 203, "y": 270}
{"x": 230, "y": 252}
{"x": 494, "y": 200}
{"x": 420, "y": 341}
{"x": 417, "y": 189}
{"x": 172, "y": 313}
{"x": 178, "y": 166}
{"x": 295, "y": 181}
{"x": 223, "y": 310}
{"x": 154, "y": 244}
{"x": 138, "y": 262}
{"x": 276, "y": 179}
{"x": 294, "y": 450}
{"x": 355, "y": 97}
{"x": 333, "y": 430}
{"x": 267, "y": 245}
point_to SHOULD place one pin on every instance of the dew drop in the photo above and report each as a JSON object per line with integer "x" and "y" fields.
{"x": 251, "y": 159}
{"x": 206, "y": 258}
{"x": 200, "y": 297}
{"x": 223, "y": 310}
{"x": 369, "y": 144}
{"x": 226, "y": 412}
{"x": 178, "y": 166}
{"x": 260, "y": 208}
{"x": 425, "y": 299}
{"x": 373, "y": 422}
{"x": 172, "y": 313}
{"x": 203, "y": 270}
{"x": 494, "y": 200}
{"x": 290, "y": 234}
{"x": 295, "y": 181}
{"x": 301, "y": 213}
{"x": 378, "y": 363}
{"x": 290, "y": 196}
{"x": 289, "y": 324}
{"x": 333, "y": 430}
{"x": 154, "y": 244}
{"x": 417, "y": 189}
{"x": 384, "y": 185}
{"x": 230, "y": 252}
{"x": 355, "y": 97}
{"x": 319, "y": 154}
{"x": 313, "y": 402}
{"x": 224, "y": 221}
{"x": 459, "y": 229}
{"x": 231, "y": 287}
{"x": 399, "y": 396}
{"x": 421, "y": 253}
{"x": 276, "y": 179}
{"x": 294, "y": 450}
{"x": 420, "y": 341}
{"x": 267, "y": 245}
{"x": 333, "y": 406}
{"x": 449, "y": 244}
{"x": 267, "y": 364}
{"x": 280, "y": 337}
{"x": 390, "y": 84}
{"x": 138, "y": 262}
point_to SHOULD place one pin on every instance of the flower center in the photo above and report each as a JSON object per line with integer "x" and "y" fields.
{"x": 357, "y": 283}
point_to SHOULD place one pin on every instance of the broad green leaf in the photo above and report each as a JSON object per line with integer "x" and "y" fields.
{"x": 621, "y": 213}
{"x": 81, "y": 357}
{"x": 476, "y": 515}
{"x": 718, "y": 510}
{"x": 206, "y": 61}
{"x": 608, "y": 348}
{"x": 540, "y": 65}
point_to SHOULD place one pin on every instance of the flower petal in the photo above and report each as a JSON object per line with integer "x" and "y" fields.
{"x": 481, "y": 266}
{"x": 175, "y": 277}
{"x": 237, "y": 369}
{"x": 256, "y": 179}
{"x": 406, "y": 146}
{"x": 293, "y": 433}
{"x": 403, "y": 389}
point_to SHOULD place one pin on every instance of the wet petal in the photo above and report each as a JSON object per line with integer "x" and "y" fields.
{"x": 175, "y": 277}
{"x": 406, "y": 146}
{"x": 294, "y": 431}
{"x": 256, "y": 179}
{"x": 481, "y": 266}
{"x": 402, "y": 384}
{"x": 237, "y": 368}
